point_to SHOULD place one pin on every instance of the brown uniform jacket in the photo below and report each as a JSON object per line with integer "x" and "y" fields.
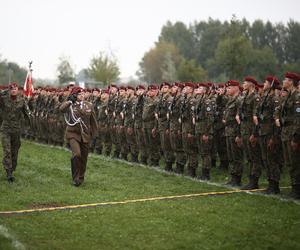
{"x": 87, "y": 128}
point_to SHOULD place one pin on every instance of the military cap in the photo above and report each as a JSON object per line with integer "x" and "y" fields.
{"x": 165, "y": 84}
{"x": 292, "y": 76}
{"x": 233, "y": 83}
{"x": 105, "y": 91}
{"x": 96, "y": 89}
{"x": 130, "y": 87}
{"x": 122, "y": 87}
{"x": 12, "y": 85}
{"x": 152, "y": 87}
{"x": 113, "y": 86}
{"x": 189, "y": 84}
{"x": 140, "y": 87}
{"x": 272, "y": 79}
{"x": 250, "y": 79}
{"x": 76, "y": 90}
{"x": 179, "y": 85}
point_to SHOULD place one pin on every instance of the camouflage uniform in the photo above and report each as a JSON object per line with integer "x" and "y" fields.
{"x": 12, "y": 113}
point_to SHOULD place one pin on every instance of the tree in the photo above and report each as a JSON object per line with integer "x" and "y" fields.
{"x": 154, "y": 61}
{"x": 104, "y": 68}
{"x": 189, "y": 71}
{"x": 168, "y": 69}
{"x": 64, "y": 70}
{"x": 11, "y": 72}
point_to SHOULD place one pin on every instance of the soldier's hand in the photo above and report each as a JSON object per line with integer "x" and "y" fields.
{"x": 238, "y": 141}
{"x": 294, "y": 145}
{"x": 205, "y": 138}
{"x": 252, "y": 140}
{"x": 270, "y": 144}
{"x": 106, "y": 112}
{"x": 167, "y": 132}
{"x": 194, "y": 121}
{"x": 129, "y": 131}
{"x": 255, "y": 120}
{"x": 156, "y": 116}
{"x": 179, "y": 120}
{"x": 72, "y": 98}
{"x": 122, "y": 115}
{"x": 277, "y": 123}
{"x": 190, "y": 136}
{"x": 237, "y": 118}
{"x": 154, "y": 132}
{"x": 168, "y": 116}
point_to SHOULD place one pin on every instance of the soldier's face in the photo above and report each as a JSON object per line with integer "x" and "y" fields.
{"x": 113, "y": 90}
{"x": 80, "y": 96}
{"x": 130, "y": 92}
{"x": 267, "y": 85}
{"x": 104, "y": 96}
{"x": 95, "y": 93}
{"x": 14, "y": 91}
{"x": 174, "y": 89}
{"x": 287, "y": 83}
{"x": 122, "y": 92}
{"x": 165, "y": 89}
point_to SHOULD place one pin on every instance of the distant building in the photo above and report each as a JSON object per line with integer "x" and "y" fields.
{"x": 84, "y": 81}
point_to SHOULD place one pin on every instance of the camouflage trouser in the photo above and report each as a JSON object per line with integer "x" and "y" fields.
{"x": 103, "y": 140}
{"x": 295, "y": 166}
{"x": 177, "y": 147}
{"x": 10, "y": 143}
{"x": 114, "y": 139}
{"x": 153, "y": 146}
{"x": 131, "y": 141}
{"x": 166, "y": 146}
{"x": 205, "y": 150}
{"x": 140, "y": 140}
{"x": 191, "y": 150}
{"x": 253, "y": 153}
{"x": 235, "y": 156}
{"x": 220, "y": 144}
{"x": 122, "y": 143}
{"x": 270, "y": 157}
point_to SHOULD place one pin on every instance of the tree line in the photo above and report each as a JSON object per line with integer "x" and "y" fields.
{"x": 216, "y": 51}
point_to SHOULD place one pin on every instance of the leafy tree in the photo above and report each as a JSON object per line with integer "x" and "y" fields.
{"x": 104, "y": 68}
{"x": 169, "y": 73}
{"x": 64, "y": 70}
{"x": 189, "y": 71}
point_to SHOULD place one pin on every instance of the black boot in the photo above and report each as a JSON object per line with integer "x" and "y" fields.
{"x": 124, "y": 157}
{"x": 9, "y": 176}
{"x": 98, "y": 151}
{"x": 179, "y": 168}
{"x": 144, "y": 160}
{"x": 116, "y": 155}
{"x": 205, "y": 174}
{"x": 273, "y": 187}
{"x": 223, "y": 165}
{"x": 213, "y": 163}
{"x": 295, "y": 192}
{"x": 253, "y": 183}
{"x": 168, "y": 167}
{"x": 134, "y": 158}
{"x": 235, "y": 181}
{"x": 191, "y": 171}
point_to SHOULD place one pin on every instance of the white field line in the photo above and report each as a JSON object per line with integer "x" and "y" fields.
{"x": 16, "y": 244}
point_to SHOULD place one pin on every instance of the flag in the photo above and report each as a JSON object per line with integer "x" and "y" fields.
{"x": 28, "y": 86}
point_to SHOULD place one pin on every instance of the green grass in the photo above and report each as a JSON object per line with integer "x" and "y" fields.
{"x": 233, "y": 221}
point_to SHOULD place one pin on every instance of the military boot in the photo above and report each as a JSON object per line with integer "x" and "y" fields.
{"x": 168, "y": 167}
{"x": 205, "y": 174}
{"x": 223, "y": 165}
{"x": 253, "y": 183}
{"x": 134, "y": 158}
{"x": 144, "y": 160}
{"x": 116, "y": 155}
{"x": 9, "y": 176}
{"x": 179, "y": 168}
{"x": 295, "y": 192}
{"x": 235, "y": 181}
{"x": 191, "y": 171}
{"x": 213, "y": 163}
{"x": 273, "y": 187}
{"x": 124, "y": 157}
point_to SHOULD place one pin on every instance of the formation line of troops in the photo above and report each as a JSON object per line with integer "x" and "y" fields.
{"x": 248, "y": 127}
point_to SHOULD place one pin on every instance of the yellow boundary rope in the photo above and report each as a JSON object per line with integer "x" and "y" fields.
{"x": 27, "y": 211}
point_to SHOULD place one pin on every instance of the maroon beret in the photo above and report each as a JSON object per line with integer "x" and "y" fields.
{"x": 12, "y": 85}
{"x": 250, "y": 79}
{"x": 130, "y": 87}
{"x": 140, "y": 87}
{"x": 105, "y": 91}
{"x": 165, "y": 84}
{"x": 189, "y": 84}
{"x": 76, "y": 90}
{"x": 179, "y": 85}
{"x": 122, "y": 87}
{"x": 152, "y": 87}
{"x": 233, "y": 83}
{"x": 113, "y": 86}
{"x": 292, "y": 76}
{"x": 96, "y": 89}
{"x": 270, "y": 79}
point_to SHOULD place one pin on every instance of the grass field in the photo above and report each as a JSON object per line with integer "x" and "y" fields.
{"x": 233, "y": 221}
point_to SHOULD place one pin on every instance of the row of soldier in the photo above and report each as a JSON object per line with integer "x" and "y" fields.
{"x": 179, "y": 122}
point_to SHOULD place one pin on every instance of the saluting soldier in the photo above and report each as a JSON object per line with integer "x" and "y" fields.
{"x": 81, "y": 128}
{"x": 13, "y": 108}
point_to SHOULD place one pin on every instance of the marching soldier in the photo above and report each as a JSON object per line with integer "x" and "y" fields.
{"x": 13, "y": 107}
{"x": 81, "y": 128}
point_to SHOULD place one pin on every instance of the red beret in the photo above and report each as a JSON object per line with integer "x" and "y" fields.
{"x": 250, "y": 79}
{"x": 96, "y": 89}
{"x": 12, "y": 85}
{"x": 270, "y": 79}
{"x": 292, "y": 76}
{"x": 130, "y": 87}
{"x": 113, "y": 86}
{"x": 122, "y": 88}
{"x": 140, "y": 87}
{"x": 221, "y": 85}
{"x": 165, "y": 84}
{"x": 105, "y": 91}
{"x": 76, "y": 90}
{"x": 233, "y": 83}
{"x": 189, "y": 84}
{"x": 179, "y": 85}
{"x": 152, "y": 87}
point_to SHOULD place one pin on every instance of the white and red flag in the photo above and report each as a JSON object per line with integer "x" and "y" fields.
{"x": 28, "y": 85}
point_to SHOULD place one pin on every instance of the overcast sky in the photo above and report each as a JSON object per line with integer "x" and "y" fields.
{"x": 44, "y": 30}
